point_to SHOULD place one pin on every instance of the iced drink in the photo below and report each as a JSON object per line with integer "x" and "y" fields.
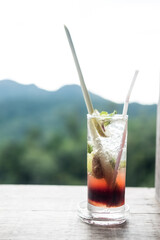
{"x": 106, "y": 186}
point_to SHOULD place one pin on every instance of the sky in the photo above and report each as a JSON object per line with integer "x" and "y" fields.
{"x": 112, "y": 39}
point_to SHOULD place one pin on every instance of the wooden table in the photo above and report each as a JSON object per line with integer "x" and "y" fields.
{"x": 49, "y": 212}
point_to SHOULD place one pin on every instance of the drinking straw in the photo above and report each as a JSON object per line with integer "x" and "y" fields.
{"x": 95, "y": 126}
{"x": 125, "y": 108}
{"x": 83, "y": 85}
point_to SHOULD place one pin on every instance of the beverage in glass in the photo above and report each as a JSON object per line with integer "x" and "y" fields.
{"x": 106, "y": 169}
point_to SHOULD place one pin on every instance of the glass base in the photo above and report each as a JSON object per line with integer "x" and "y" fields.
{"x": 102, "y": 216}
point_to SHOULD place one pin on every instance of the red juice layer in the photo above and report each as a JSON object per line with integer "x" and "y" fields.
{"x": 100, "y": 194}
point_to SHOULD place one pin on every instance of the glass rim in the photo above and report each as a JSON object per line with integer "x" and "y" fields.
{"x": 114, "y": 117}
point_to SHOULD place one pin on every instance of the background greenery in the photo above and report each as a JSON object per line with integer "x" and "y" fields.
{"x": 43, "y": 136}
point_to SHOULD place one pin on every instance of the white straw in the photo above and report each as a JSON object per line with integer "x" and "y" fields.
{"x": 83, "y": 85}
{"x": 125, "y": 108}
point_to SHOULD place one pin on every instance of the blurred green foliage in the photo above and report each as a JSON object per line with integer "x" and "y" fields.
{"x": 43, "y": 136}
{"x": 39, "y": 160}
{"x": 61, "y": 158}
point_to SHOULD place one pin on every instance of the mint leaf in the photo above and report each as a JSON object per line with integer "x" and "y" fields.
{"x": 123, "y": 164}
{"x": 106, "y": 114}
{"x": 113, "y": 113}
{"x": 107, "y": 122}
{"x": 103, "y": 113}
{"x": 89, "y": 148}
{"x": 112, "y": 162}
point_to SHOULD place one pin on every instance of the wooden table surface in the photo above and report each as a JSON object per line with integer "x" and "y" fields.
{"x": 49, "y": 212}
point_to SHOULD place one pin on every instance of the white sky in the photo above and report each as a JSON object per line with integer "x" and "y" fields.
{"x": 112, "y": 38}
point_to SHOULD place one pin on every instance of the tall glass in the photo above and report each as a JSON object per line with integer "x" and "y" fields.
{"x": 106, "y": 169}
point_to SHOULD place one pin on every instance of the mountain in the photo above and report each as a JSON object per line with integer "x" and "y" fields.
{"x": 47, "y": 130}
{"x": 13, "y": 90}
{"x": 24, "y": 106}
